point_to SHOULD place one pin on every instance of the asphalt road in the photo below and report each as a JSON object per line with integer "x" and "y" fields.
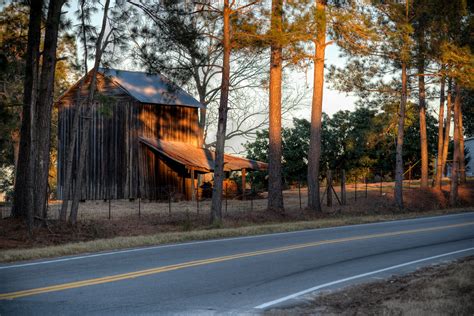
{"x": 238, "y": 275}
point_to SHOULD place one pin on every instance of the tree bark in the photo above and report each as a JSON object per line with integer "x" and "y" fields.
{"x": 447, "y": 128}
{"x": 453, "y": 196}
{"x": 70, "y": 153}
{"x": 314, "y": 153}
{"x": 84, "y": 141}
{"x": 23, "y": 189}
{"x": 15, "y": 138}
{"x": 275, "y": 194}
{"x": 216, "y": 206}
{"x": 439, "y": 160}
{"x": 75, "y": 126}
{"x": 462, "y": 162}
{"x": 400, "y": 135}
{"x": 44, "y": 106}
{"x": 422, "y": 114}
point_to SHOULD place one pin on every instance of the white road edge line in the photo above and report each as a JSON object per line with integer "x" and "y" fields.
{"x": 283, "y": 299}
{"x": 21, "y": 265}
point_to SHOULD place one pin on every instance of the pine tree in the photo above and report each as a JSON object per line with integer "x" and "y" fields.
{"x": 23, "y": 191}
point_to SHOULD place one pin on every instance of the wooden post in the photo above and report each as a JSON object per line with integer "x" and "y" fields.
{"x": 381, "y": 182}
{"x": 169, "y": 201}
{"x": 355, "y": 190}
{"x": 409, "y": 177}
{"x": 193, "y": 188}
{"x": 225, "y": 197}
{"x": 343, "y": 187}
{"x": 139, "y": 208}
{"x": 251, "y": 196}
{"x": 299, "y": 192}
{"x": 329, "y": 189}
{"x": 366, "y": 184}
{"x": 244, "y": 178}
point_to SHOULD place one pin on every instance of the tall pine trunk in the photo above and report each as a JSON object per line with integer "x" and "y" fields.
{"x": 400, "y": 135}
{"x": 66, "y": 194}
{"x": 23, "y": 189}
{"x": 275, "y": 194}
{"x": 453, "y": 196}
{"x": 462, "y": 162}
{"x": 422, "y": 114}
{"x": 447, "y": 127}
{"x": 72, "y": 143}
{"x": 44, "y": 107}
{"x": 314, "y": 153}
{"x": 439, "y": 159}
{"x": 216, "y": 206}
{"x": 84, "y": 140}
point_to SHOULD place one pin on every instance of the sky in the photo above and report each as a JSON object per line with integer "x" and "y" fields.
{"x": 333, "y": 100}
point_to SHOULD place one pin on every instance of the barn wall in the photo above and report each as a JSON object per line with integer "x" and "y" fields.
{"x": 117, "y": 165}
{"x": 161, "y": 176}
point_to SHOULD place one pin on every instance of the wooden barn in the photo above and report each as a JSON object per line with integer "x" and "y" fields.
{"x": 145, "y": 139}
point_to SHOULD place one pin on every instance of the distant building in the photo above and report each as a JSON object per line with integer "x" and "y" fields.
{"x": 469, "y": 146}
{"x": 145, "y": 138}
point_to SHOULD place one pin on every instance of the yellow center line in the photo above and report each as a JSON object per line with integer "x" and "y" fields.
{"x": 140, "y": 273}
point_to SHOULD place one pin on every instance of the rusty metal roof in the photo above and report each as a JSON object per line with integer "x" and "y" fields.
{"x": 199, "y": 158}
{"x": 151, "y": 88}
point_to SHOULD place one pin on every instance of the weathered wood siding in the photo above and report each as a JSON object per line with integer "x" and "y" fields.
{"x": 117, "y": 165}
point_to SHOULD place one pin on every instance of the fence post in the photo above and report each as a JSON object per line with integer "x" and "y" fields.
{"x": 366, "y": 188}
{"x": 409, "y": 177}
{"x": 193, "y": 188}
{"x": 343, "y": 187}
{"x": 244, "y": 178}
{"x": 381, "y": 183}
{"x": 299, "y": 192}
{"x": 355, "y": 190}
{"x": 139, "y": 207}
{"x": 225, "y": 197}
{"x": 169, "y": 203}
{"x": 197, "y": 200}
{"x": 328, "y": 189}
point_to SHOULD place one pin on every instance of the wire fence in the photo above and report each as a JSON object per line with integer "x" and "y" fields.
{"x": 336, "y": 189}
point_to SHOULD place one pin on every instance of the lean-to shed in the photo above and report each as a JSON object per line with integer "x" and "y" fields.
{"x": 145, "y": 138}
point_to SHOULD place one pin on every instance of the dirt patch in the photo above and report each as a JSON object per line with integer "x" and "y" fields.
{"x": 446, "y": 289}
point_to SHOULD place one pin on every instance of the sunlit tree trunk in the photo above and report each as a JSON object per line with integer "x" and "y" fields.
{"x": 275, "y": 194}
{"x": 400, "y": 135}
{"x": 314, "y": 153}
{"x": 439, "y": 160}
{"x": 462, "y": 162}
{"x": 216, "y": 206}
{"x": 447, "y": 127}
{"x": 422, "y": 114}
{"x": 453, "y": 196}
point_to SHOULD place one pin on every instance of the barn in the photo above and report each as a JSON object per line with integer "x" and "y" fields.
{"x": 145, "y": 138}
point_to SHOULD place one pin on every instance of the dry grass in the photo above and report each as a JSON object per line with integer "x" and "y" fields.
{"x": 232, "y": 229}
{"x": 156, "y": 225}
{"x": 438, "y": 290}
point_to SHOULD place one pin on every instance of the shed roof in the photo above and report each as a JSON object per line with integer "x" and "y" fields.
{"x": 151, "y": 88}
{"x": 199, "y": 158}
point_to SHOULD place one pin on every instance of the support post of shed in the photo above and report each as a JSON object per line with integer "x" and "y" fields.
{"x": 244, "y": 177}
{"x": 193, "y": 188}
